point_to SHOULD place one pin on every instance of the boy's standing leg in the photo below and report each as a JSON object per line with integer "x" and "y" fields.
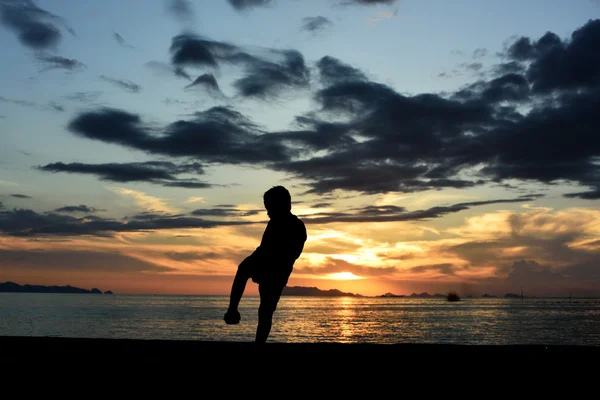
{"x": 270, "y": 294}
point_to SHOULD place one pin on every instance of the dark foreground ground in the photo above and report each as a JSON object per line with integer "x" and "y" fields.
{"x": 177, "y": 350}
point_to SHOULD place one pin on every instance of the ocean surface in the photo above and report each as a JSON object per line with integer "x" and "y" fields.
{"x": 495, "y": 321}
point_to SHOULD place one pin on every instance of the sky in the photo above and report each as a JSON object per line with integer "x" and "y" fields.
{"x": 429, "y": 146}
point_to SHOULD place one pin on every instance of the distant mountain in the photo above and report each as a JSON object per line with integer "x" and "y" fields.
{"x": 313, "y": 291}
{"x": 11, "y": 287}
{"x": 426, "y": 295}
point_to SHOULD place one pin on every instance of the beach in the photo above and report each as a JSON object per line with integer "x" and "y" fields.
{"x": 176, "y": 350}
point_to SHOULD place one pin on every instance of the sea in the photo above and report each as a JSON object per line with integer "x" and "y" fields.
{"x": 470, "y": 321}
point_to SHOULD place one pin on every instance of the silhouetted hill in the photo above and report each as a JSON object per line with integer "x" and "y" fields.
{"x": 426, "y": 295}
{"x": 11, "y": 287}
{"x": 313, "y": 291}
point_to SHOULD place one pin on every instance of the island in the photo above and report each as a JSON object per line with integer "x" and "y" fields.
{"x": 11, "y": 287}
{"x": 313, "y": 291}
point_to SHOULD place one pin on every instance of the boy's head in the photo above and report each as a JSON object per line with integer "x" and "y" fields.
{"x": 278, "y": 201}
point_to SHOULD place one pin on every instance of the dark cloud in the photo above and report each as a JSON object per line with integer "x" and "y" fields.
{"x": 35, "y": 28}
{"x": 555, "y": 64}
{"x": 475, "y": 67}
{"x": 22, "y": 222}
{"x": 224, "y": 212}
{"x": 76, "y": 260}
{"x": 365, "y": 137}
{"x": 589, "y": 195}
{"x": 334, "y": 265}
{"x": 315, "y": 24}
{"x": 207, "y": 82}
{"x": 24, "y": 103}
{"x": 246, "y": 4}
{"x": 82, "y": 208}
{"x": 20, "y": 196}
{"x": 123, "y": 84}
{"x": 509, "y": 87}
{"x": 83, "y": 97}
{"x": 180, "y": 9}
{"x": 332, "y": 70}
{"x": 394, "y": 213}
{"x": 479, "y": 53}
{"x": 166, "y": 69}
{"x": 511, "y": 67}
{"x": 56, "y": 107}
{"x": 157, "y": 172}
{"x": 49, "y": 62}
{"x": 193, "y": 256}
{"x": 264, "y": 75}
{"x": 121, "y": 41}
{"x": 445, "y": 268}
{"x": 218, "y": 134}
{"x": 321, "y": 205}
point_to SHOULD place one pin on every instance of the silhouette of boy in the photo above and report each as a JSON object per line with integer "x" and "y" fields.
{"x": 271, "y": 264}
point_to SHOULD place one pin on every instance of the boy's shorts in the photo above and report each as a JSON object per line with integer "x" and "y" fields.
{"x": 270, "y": 287}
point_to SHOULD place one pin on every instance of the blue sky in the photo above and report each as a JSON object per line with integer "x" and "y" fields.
{"x": 116, "y": 54}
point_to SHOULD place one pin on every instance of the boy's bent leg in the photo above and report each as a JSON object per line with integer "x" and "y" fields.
{"x": 232, "y": 316}
{"x": 269, "y": 297}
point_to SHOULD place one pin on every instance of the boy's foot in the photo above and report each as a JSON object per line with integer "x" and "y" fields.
{"x": 232, "y": 317}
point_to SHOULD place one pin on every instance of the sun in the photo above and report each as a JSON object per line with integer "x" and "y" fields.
{"x": 344, "y": 276}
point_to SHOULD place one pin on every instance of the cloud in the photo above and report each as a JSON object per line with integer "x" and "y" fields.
{"x": 156, "y": 172}
{"x": 480, "y": 52}
{"x": 185, "y": 256}
{"x": 331, "y": 71}
{"x": 335, "y": 265}
{"x": 265, "y": 75}
{"x": 391, "y": 213}
{"x": 315, "y": 24}
{"x": 121, "y": 41}
{"x": 49, "y": 62}
{"x": 150, "y": 203}
{"x": 25, "y": 103}
{"x": 71, "y": 260}
{"x": 28, "y": 223}
{"x": 556, "y": 64}
{"x": 35, "y": 28}
{"x": 77, "y": 209}
{"x": 123, "y": 84}
{"x": 219, "y": 134}
{"x": 195, "y": 200}
{"x": 365, "y": 137}
{"x": 166, "y": 69}
{"x": 537, "y": 250}
{"x": 224, "y": 212}
{"x": 18, "y": 102}
{"x": 20, "y": 196}
{"x": 181, "y": 10}
{"x": 382, "y": 16}
{"x": 321, "y": 205}
{"x": 83, "y": 97}
{"x": 208, "y": 83}
{"x": 56, "y": 107}
{"x": 246, "y": 4}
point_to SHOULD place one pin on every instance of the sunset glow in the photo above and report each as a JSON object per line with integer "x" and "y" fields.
{"x": 344, "y": 276}
{"x": 423, "y": 153}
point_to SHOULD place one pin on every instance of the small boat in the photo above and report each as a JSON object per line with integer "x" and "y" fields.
{"x": 453, "y": 297}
